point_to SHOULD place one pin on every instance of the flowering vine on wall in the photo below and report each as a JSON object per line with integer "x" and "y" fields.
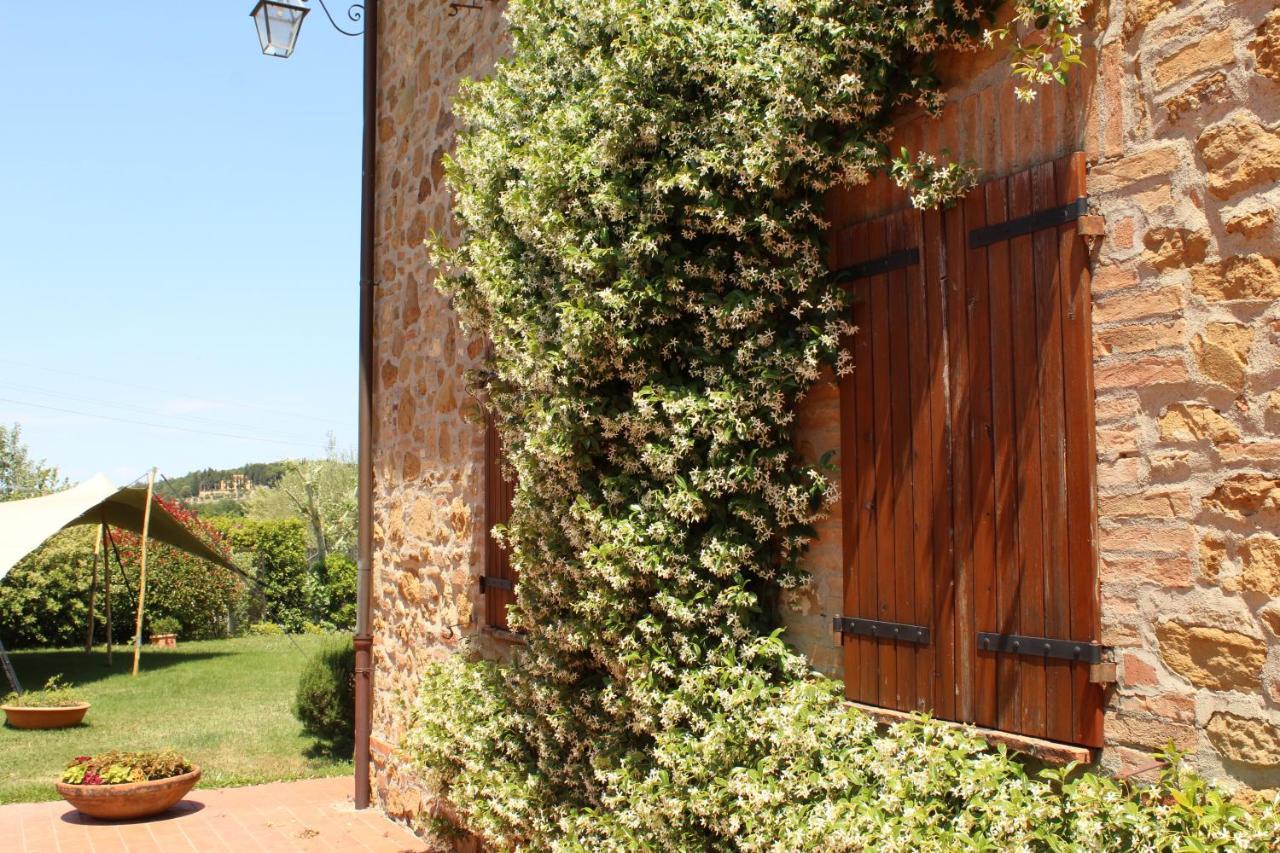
{"x": 641, "y": 187}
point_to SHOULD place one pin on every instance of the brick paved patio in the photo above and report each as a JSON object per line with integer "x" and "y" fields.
{"x": 316, "y": 814}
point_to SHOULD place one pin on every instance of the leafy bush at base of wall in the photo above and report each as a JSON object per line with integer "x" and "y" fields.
{"x": 325, "y": 701}
{"x": 791, "y": 766}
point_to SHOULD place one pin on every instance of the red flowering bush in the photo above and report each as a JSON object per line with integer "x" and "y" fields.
{"x": 194, "y": 592}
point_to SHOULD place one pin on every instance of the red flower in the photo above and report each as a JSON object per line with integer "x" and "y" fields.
{"x": 81, "y": 759}
{"x": 92, "y": 778}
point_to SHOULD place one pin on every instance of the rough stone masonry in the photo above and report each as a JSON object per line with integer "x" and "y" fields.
{"x": 1178, "y": 111}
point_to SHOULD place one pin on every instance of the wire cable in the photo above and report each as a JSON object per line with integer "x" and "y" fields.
{"x": 150, "y": 424}
{"x": 153, "y": 389}
{"x": 150, "y": 412}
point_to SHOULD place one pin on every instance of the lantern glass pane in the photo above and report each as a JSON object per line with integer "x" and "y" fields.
{"x": 278, "y": 25}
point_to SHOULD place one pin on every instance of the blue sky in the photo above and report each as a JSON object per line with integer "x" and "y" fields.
{"x": 179, "y": 236}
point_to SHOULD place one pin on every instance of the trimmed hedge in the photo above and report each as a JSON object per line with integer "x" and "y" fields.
{"x": 325, "y": 701}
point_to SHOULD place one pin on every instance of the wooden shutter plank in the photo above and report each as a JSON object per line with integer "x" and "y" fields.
{"x": 886, "y": 587}
{"x": 1052, "y": 382}
{"x": 1077, "y": 339}
{"x": 933, "y": 253}
{"x": 840, "y": 255}
{"x": 903, "y": 608}
{"x": 982, "y": 461}
{"x": 868, "y": 446}
{"x": 868, "y": 549}
{"x": 920, "y": 464}
{"x": 959, "y": 405}
{"x": 858, "y": 479}
{"x": 1027, "y": 591}
{"x": 1002, "y": 423}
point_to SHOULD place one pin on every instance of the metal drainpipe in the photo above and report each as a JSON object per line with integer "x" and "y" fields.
{"x": 364, "y": 637}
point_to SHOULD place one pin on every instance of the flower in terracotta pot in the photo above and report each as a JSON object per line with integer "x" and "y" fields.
{"x": 55, "y": 706}
{"x": 117, "y": 768}
{"x": 119, "y": 785}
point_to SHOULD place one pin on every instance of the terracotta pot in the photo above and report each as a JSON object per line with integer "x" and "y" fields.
{"x": 131, "y": 800}
{"x": 45, "y": 718}
{"x": 168, "y": 641}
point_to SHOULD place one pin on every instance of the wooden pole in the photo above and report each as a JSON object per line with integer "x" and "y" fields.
{"x": 93, "y": 588}
{"x": 106, "y": 571}
{"x": 142, "y": 571}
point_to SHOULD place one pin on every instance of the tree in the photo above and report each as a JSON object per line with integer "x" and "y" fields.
{"x": 277, "y": 550}
{"x": 20, "y": 475}
{"x": 323, "y": 492}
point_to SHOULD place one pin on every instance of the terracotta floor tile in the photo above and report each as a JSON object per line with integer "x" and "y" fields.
{"x": 312, "y": 815}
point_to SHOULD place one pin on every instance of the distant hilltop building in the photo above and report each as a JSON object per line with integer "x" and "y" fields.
{"x": 237, "y": 486}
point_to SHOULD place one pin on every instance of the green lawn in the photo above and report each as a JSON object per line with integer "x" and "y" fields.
{"x": 224, "y": 704}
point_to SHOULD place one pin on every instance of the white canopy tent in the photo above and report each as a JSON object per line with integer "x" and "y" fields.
{"x": 25, "y": 524}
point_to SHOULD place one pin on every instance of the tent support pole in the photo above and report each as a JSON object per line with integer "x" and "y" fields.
{"x": 142, "y": 573}
{"x": 106, "y": 571}
{"x": 93, "y": 589}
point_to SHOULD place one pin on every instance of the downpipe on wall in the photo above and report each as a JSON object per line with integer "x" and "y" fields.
{"x": 364, "y": 550}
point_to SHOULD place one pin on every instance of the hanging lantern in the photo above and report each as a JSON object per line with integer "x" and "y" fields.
{"x": 278, "y": 25}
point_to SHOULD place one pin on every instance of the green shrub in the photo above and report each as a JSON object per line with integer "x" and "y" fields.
{"x": 266, "y": 629}
{"x": 56, "y": 693}
{"x": 44, "y": 598}
{"x": 290, "y": 593}
{"x": 165, "y": 625}
{"x": 338, "y": 573}
{"x": 325, "y": 702}
{"x": 791, "y": 766}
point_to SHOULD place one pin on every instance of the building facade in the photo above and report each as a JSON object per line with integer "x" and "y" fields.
{"x": 1100, "y": 465}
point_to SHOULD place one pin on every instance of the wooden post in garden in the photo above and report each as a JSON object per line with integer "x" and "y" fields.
{"x": 142, "y": 571}
{"x": 106, "y": 571}
{"x": 93, "y": 589}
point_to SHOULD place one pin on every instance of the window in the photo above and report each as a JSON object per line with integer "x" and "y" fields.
{"x": 968, "y": 460}
{"x": 499, "y": 579}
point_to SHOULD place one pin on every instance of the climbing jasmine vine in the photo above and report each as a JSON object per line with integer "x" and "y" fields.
{"x": 640, "y": 187}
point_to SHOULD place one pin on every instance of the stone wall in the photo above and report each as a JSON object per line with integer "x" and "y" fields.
{"x": 1177, "y": 112}
{"x": 1187, "y": 358}
{"x": 428, "y": 459}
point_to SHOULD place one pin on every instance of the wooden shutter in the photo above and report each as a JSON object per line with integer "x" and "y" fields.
{"x": 968, "y": 448}
{"x": 499, "y": 578}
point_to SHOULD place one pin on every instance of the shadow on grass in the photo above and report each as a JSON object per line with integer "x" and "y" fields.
{"x": 78, "y": 667}
{"x": 343, "y": 750}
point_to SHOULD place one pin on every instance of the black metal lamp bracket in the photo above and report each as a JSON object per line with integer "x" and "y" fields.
{"x": 355, "y": 14}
